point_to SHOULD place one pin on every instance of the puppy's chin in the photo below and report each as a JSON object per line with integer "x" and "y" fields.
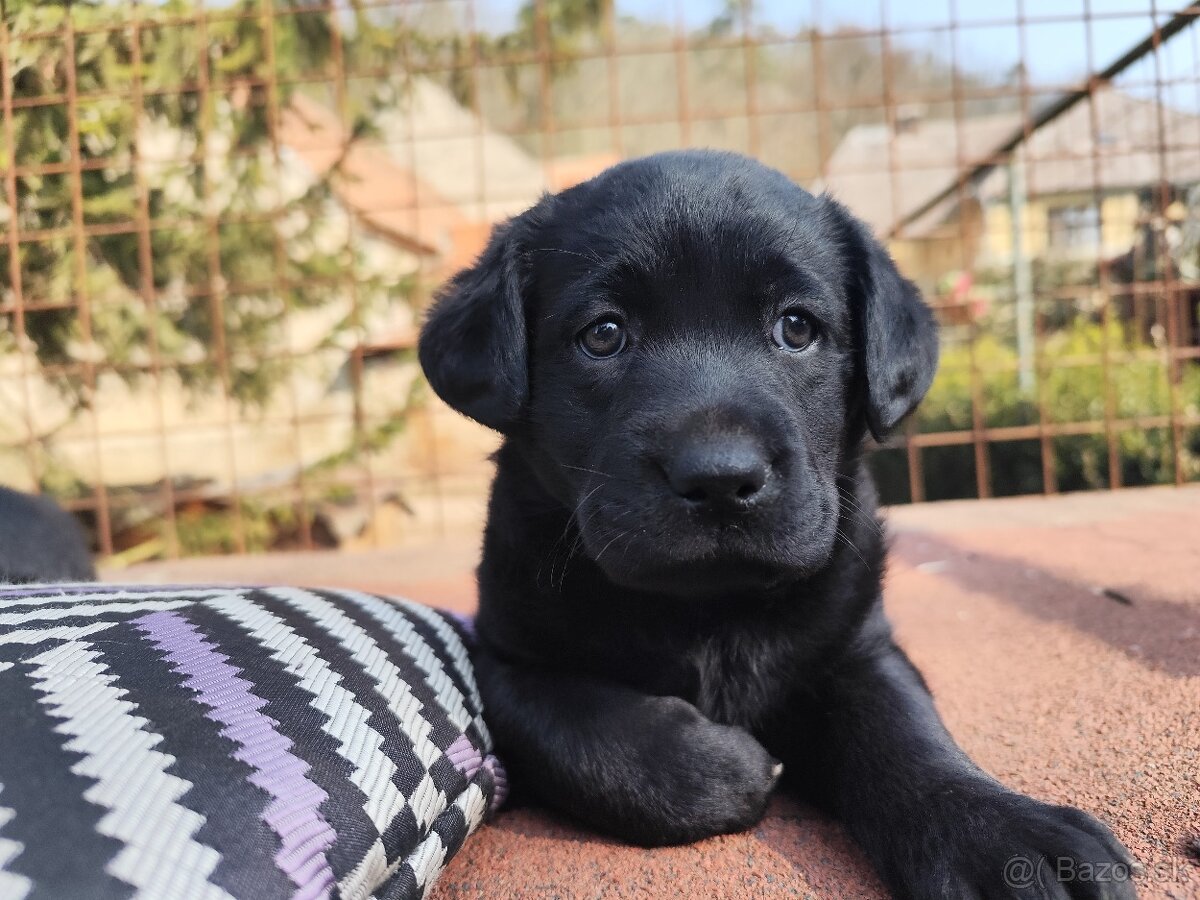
{"x": 697, "y": 567}
{"x": 704, "y": 578}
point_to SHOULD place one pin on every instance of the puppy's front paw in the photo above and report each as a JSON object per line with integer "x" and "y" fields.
{"x": 998, "y": 844}
{"x": 705, "y": 778}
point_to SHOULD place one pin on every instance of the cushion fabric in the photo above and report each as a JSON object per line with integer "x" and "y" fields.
{"x": 215, "y": 742}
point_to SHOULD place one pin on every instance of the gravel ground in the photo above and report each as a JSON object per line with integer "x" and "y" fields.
{"x": 1060, "y": 635}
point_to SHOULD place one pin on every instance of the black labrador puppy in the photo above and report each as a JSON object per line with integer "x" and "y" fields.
{"x": 680, "y": 584}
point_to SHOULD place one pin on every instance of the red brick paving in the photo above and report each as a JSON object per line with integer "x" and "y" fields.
{"x": 1061, "y": 637}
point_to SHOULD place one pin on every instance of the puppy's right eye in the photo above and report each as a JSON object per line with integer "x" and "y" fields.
{"x": 793, "y": 332}
{"x": 602, "y": 339}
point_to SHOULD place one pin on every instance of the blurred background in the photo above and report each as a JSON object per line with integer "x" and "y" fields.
{"x": 221, "y": 222}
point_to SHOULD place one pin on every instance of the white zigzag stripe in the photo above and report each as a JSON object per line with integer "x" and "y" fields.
{"x": 458, "y": 655}
{"x": 57, "y": 633}
{"x": 100, "y": 609}
{"x": 12, "y": 885}
{"x": 160, "y": 858}
{"x": 429, "y": 857}
{"x": 427, "y": 800}
{"x": 346, "y": 722}
{"x": 105, "y": 596}
{"x": 392, "y": 617}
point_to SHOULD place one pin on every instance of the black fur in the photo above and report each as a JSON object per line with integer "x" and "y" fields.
{"x": 39, "y": 542}
{"x": 651, "y": 649}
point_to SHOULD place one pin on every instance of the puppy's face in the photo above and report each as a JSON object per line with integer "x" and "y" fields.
{"x": 683, "y": 348}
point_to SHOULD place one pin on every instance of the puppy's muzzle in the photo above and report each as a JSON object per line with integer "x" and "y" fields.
{"x": 723, "y": 473}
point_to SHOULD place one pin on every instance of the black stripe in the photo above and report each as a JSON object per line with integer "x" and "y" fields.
{"x": 64, "y": 854}
{"x": 451, "y": 827}
{"x": 444, "y": 731}
{"x": 301, "y": 723}
{"x": 395, "y": 649}
{"x": 437, "y": 644}
{"x": 401, "y": 886}
{"x": 221, "y": 791}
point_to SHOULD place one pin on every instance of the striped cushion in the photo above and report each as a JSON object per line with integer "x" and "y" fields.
{"x": 214, "y": 742}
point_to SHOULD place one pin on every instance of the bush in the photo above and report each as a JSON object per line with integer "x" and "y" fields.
{"x": 1072, "y": 389}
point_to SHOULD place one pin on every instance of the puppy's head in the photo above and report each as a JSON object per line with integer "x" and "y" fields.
{"x": 686, "y": 349}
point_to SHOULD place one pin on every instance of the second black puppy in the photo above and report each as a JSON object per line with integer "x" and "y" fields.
{"x": 40, "y": 542}
{"x": 680, "y": 586}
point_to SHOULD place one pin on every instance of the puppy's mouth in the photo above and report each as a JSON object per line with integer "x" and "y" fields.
{"x": 671, "y": 554}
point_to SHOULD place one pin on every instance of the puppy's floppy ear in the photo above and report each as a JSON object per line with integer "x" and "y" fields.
{"x": 896, "y": 330}
{"x": 473, "y": 343}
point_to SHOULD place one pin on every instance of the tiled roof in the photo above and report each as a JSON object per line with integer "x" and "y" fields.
{"x": 385, "y": 196}
{"x": 926, "y": 157}
{"x": 1128, "y": 142}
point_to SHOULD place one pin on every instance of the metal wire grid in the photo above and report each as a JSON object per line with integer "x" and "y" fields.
{"x": 815, "y": 101}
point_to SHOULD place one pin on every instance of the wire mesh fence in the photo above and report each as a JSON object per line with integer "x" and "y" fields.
{"x": 222, "y": 221}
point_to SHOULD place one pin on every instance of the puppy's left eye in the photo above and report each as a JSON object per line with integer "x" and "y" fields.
{"x": 794, "y": 331}
{"x": 602, "y": 339}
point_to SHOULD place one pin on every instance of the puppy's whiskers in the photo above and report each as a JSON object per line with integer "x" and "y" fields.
{"x": 624, "y": 533}
{"x": 552, "y": 555}
{"x": 578, "y": 542}
{"x": 849, "y": 543}
{"x": 579, "y": 525}
{"x": 590, "y": 256}
{"x": 586, "y": 469}
{"x": 575, "y": 545}
{"x": 855, "y": 508}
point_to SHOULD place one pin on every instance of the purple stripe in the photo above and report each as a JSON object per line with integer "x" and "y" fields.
{"x": 465, "y": 756}
{"x": 468, "y": 760}
{"x": 294, "y": 813}
{"x": 499, "y": 778}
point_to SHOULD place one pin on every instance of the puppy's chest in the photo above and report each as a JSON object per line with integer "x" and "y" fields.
{"x": 740, "y": 679}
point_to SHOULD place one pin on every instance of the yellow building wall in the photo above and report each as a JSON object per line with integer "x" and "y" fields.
{"x": 1118, "y": 222}
{"x": 997, "y": 233}
{"x": 952, "y": 247}
{"x": 987, "y": 240}
{"x": 928, "y": 260}
{"x": 907, "y": 256}
{"x": 1118, "y": 217}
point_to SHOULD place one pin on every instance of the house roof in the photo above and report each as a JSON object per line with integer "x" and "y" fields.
{"x": 1135, "y": 142}
{"x": 1129, "y": 147}
{"x": 439, "y": 178}
{"x": 485, "y": 174}
{"x": 925, "y": 155}
{"x": 387, "y": 197}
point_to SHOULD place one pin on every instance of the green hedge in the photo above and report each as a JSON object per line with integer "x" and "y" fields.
{"x": 1071, "y": 390}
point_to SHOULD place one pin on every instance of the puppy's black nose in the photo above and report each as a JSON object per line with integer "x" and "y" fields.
{"x": 724, "y": 472}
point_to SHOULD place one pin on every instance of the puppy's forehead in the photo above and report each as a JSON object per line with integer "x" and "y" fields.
{"x": 699, "y": 215}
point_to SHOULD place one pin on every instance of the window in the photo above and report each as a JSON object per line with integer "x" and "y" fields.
{"x": 1074, "y": 228}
